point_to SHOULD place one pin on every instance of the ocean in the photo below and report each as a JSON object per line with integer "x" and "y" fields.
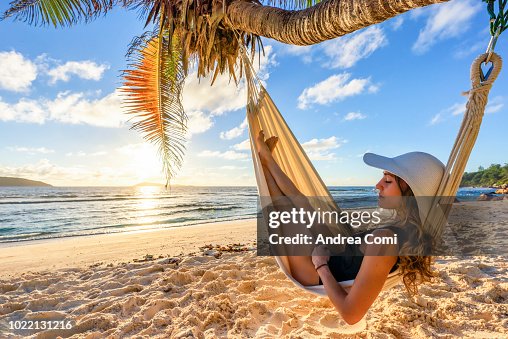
{"x": 29, "y": 213}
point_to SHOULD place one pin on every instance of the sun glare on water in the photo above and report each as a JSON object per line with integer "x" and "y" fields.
{"x": 146, "y": 205}
{"x": 147, "y": 195}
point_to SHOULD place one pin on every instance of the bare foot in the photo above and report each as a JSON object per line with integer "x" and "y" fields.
{"x": 265, "y": 148}
{"x": 271, "y": 142}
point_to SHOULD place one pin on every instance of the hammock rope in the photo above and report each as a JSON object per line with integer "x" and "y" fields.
{"x": 464, "y": 142}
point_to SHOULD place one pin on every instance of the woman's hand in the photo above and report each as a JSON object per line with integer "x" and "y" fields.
{"x": 320, "y": 256}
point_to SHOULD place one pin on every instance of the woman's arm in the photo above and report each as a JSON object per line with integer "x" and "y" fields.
{"x": 368, "y": 283}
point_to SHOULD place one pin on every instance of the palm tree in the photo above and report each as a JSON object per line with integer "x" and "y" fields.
{"x": 207, "y": 34}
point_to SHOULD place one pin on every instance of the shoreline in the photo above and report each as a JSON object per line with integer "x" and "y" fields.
{"x": 70, "y": 251}
{"x": 131, "y": 230}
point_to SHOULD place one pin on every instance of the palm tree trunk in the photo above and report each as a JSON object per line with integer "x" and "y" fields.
{"x": 327, "y": 20}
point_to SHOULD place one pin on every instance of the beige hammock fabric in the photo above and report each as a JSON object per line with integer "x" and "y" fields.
{"x": 262, "y": 114}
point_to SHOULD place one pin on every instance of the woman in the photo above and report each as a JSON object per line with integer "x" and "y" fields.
{"x": 413, "y": 174}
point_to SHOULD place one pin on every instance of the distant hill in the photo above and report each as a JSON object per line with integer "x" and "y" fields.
{"x": 142, "y": 184}
{"x": 147, "y": 184}
{"x": 9, "y": 181}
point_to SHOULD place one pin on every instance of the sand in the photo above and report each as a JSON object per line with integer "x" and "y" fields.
{"x": 107, "y": 286}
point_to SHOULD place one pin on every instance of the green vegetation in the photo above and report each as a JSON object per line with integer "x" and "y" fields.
{"x": 494, "y": 175}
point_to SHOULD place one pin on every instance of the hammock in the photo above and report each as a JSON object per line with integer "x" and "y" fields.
{"x": 262, "y": 114}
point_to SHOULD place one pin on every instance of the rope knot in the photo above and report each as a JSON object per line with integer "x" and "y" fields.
{"x": 481, "y": 89}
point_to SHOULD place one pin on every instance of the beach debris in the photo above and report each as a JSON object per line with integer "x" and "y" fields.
{"x": 170, "y": 261}
{"x": 217, "y": 250}
{"x": 148, "y": 257}
{"x": 95, "y": 265}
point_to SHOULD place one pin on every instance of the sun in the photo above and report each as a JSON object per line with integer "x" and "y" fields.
{"x": 143, "y": 162}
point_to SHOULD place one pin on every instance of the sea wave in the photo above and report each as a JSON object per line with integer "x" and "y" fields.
{"x": 82, "y": 200}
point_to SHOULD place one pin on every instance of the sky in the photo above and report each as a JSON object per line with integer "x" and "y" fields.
{"x": 389, "y": 89}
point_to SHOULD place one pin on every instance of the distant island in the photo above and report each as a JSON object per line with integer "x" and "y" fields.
{"x": 494, "y": 176}
{"x": 10, "y": 181}
{"x": 148, "y": 184}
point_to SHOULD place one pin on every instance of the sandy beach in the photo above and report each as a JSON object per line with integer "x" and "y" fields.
{"x": 167, "y": 284}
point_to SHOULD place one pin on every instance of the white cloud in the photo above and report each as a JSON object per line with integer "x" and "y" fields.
{"x": 76, "y": 108}
{"x": 55, "y": 174}
{"x": 44, "y": 170}
{"x": 235, "y": 132}
{"x": 229, "y": 155}
{"x": 198, "y": 122}
{"x": 86, "y": 69}
{"x": 315, "y": 145}
{"x": 225, "y": 175}
{"x": 436, "y": 119}
{"x": 337, "y": 87}
{"x": 25, "y": 110}
{"x": 354, "y": 116}
{"x": 419, "y": 12}
{"x": 67, "y": 107}
{"x": 242, "y": 146}
{"x": 373, "y": 88}
{"x": 232, "y": 168}
{"x": 319, "y": 149}
{"x": 456, "y": 109}
{"x": 297, "y": 50}
{"x": 305, "y": 52}
{"x": 397, "y": 23}
{"x": 467, "y": 49}
{"x": 31, "y": 150}
{"x": 494, "y": 105}
{"x": 346, "y": 51}
{"x": 16, "y": 72}
{"x": 135, "y": 148}
{"x": 218, "y": 99}
{"x": 342, "y": 52}
{"x": 84, "y": 154}
{"x": 224, "y": 96}
{"x": 446, "y": 21}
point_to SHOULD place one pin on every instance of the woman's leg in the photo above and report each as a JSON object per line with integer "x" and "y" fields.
{"x": 273, "y": 188}
{"x": 279, "y": 185}
{"x": 286, "y": 186}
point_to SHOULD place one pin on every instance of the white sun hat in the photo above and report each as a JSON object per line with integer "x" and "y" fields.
{"x": 421, "y": 171}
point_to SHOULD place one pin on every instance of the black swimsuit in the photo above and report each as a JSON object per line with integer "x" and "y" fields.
{"x": 347, "y": 267}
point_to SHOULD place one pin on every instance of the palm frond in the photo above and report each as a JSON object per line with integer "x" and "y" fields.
{"x": 207, "y": 42}
{"x": 58, "y": 12}
{"x": 139, "y": 42}
{"x": 153, "y": 94}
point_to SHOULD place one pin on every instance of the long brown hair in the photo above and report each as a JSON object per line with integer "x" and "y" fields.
{"x": 415, "y": 269}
